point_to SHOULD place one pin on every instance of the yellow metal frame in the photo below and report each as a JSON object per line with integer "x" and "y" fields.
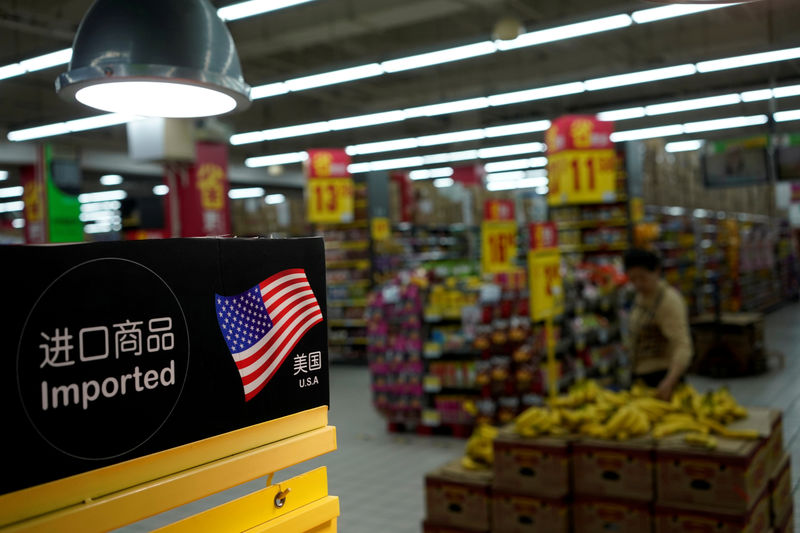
{"x": 120, "y": 494}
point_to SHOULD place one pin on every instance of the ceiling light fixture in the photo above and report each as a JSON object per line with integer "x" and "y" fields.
{"x": 748, "y": 60}
{"x": 12, "y": 207}
{"x": 274, "y": 199}
{"x": 786, "y": 116}
{"x": 429, "y": 173}
{"x": 644, "y": 76}
{"x": 334, "y": 77}
{"x": 621, "y": 114}
{"x": 117, "y": 66}
{"x": 643, "y": 16}
{"x": 3, "y": 175}
{"x": 441, "y": 183}
{"x": 111, "y": 179}
{"x": 440, "y": 56}
{"x": 161, "y": 190}
{"x": 695, "y": 103}
{"x": 246, "y": 192}
{"x": 100, "y": 206}
{"x": 11, "y": 192}
{"x": 103, "y": 196}
{"x": 683, "y": 146}
{"x": 568, "y": 31}
{"x": 18, "y": 223}
{"x": 279, "y": 159}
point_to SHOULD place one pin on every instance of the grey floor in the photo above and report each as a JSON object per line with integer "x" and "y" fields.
{"x": 379, "y": 476}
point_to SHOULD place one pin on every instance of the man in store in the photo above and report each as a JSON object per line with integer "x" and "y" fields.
{"x": 660, "y": 345}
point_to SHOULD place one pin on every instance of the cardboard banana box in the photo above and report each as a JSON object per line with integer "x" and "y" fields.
{"x": 616, "y": 469}
{"x": 780, "y": 489}
{"x": 514, "y": 513}
{"x": 601, "y": 515}
{"x": 536, "y": 466}
{"x": 701, "y": 519}
{"x": 458, "y": 497}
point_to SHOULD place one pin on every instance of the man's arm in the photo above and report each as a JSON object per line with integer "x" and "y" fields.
{"x": 674, "y": 325}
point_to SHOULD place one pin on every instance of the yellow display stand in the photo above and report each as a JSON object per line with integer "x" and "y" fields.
{"x": 118, "y": 495}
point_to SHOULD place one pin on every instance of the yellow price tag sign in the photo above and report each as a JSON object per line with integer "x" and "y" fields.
{"x": 582, "y": 176}
{"x": 545, "y": 285}
{"x": 330, "y": 200}
{"x": 498, "y": 246}
{"x": 380, "y": 228}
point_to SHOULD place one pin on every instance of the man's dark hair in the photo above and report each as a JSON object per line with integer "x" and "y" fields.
{"x": 636, "y": 257}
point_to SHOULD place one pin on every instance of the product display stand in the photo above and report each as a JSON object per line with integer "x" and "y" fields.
{"x": 121, "y": 494}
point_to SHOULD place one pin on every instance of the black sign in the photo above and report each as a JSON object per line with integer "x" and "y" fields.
{"x": 112, "y": 351}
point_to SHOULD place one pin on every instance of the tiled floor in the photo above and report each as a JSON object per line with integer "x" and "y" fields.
{"x": 379, "y": 476}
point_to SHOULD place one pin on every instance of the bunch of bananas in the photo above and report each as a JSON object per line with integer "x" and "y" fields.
{"x": 588, "y": 409}
{"x": 480, "y": 448}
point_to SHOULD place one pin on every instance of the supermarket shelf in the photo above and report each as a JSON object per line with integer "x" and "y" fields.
{"x": 347, "y": 322}
{"x": 354, "y": 341}
{"x": 349, "y": 245}
{"x": 354, "y": 283}
{"x": 618, "y": 199}
{"x": 361, "y": 264}
{"x": 347, "y": 303}
{"x": 580, "y": 224}
{"x": 577, "y": 248}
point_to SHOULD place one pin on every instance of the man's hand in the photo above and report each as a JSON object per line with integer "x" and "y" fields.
{"x": 664, "y": 390}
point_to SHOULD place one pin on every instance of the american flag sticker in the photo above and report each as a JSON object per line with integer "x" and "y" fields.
{"x": 262, "y": 325}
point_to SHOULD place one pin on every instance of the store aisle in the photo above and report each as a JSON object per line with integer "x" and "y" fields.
{"x": 379, "y": 476}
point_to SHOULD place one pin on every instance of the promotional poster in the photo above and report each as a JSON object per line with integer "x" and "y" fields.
{"x": 112, "y": 351}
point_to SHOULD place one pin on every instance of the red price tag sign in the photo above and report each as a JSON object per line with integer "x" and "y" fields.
{"x": 330, "y": 200}
{"x": 498, "y": 210}
{"x": 498, "y": 247}
{"x": 327, "y": 163}
{"x": 582, "y": 176}
{"x": 543, "y": 235}
{"x": 546, "y": 290}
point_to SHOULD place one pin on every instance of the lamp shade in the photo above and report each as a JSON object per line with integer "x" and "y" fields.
{"x": 165, "y": 58}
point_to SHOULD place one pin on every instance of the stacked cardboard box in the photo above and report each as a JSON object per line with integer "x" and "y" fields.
{"x": 531, "y": 484}
{"x": 739, "y": 486}
{"x": 562, "y": 485}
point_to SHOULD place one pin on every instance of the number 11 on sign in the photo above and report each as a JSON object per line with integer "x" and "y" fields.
{"x": 498, "y": 246}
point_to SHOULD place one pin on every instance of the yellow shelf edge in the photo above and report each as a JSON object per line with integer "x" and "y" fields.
{"x": 310, "y": 517}
{"x": 142, "y": 501}
{"x": 48, "y": 497}
{"x": 258, "y": 507}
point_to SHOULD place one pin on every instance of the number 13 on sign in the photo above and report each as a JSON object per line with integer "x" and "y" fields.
{"x": 330, "y": 200}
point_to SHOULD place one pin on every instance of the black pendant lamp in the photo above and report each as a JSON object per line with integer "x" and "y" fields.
{"x": 160, "y": 58}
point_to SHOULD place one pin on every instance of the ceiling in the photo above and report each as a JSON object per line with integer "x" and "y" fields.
{"x": 325, "y": 35}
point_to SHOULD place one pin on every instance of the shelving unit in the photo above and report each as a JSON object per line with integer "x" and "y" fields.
{"x": 349, "y": 268}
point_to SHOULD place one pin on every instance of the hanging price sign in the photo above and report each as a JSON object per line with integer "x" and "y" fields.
{"x": 498, "y": 246}
{"x": 581, "y": 161}
{"x": 330, "y": 200}
{"x": 379, "y": 228}
{"x": 546, "y": 291}
{"x": 582, "y": 176}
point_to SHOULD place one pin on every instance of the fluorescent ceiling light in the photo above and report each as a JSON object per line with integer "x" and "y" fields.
{"x": 358, "y": 168}
{"x": 296, "y": 131}
{"x": 99, "y": 121}
{"x": 11, "y": 71}
{"x": 402, "y": 162}
{"x": 643, "y": 16}
{"x": 100, "y": 216}
{"x": 111, "y": 179}
{"x": 161, "y": 190}
{"x": 382, "y": 146}
{"x": 278, "y": 159}
{"x": 748, "y": 60}
{"x": 647, "y": 133}
{"x": 11, "y": 192}
{"x": 441, "y": 183}
{"x": 38, "y": 132}
{"x": 724, "y": 123}
{"x": 783, "y": 92}
{"x": 786, "y": 116}
{"x": 246, "y": 192}
{"x": 274, "y": 199}
{"x": 11, "y": 207}
{"x": 440, "y": 56}
{"x": 3, "y": 175}
{"x": 757, "y": 95}
{"x": 512, "y": 149}
{"x": 683, "y": 146}
{"x": 452, "y": 157}
{"x": 515, "y": 164}
{"x": 447, "y": 107}
{"x": 568, "y": 31}
{"x": 621, "y": 114}
{"x": 505, "y": 176}
{"x": 453, "y": 137}
{"x": 334, "y": 77}
{"x": 18, "y": 223}
{"x": 53, "y": 59}
{"x": 100, "y": 227}
{"x": 644, "y": 76}
{"x": 268, "y": 89}
{"x": 428, "y": 173}
{"x": 517, "y": 129}
{"x": 101, "y": 206}
{"x": 247, "y": 138}
{"x": 104, "y": 196}
{"x": 255, "y": 7}
{"x": 696, "y": 103}
{"x": 541, "y": 191}
{"x": 540, "y": 93}
{"x": 361, "y": 121}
